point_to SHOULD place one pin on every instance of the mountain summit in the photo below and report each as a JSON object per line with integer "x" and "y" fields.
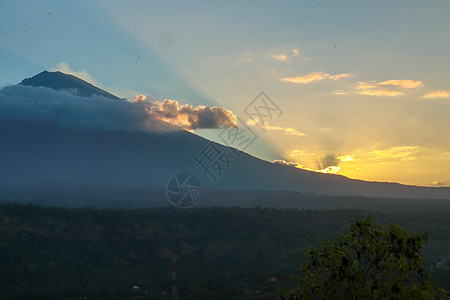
{"x": 62, "y": 81}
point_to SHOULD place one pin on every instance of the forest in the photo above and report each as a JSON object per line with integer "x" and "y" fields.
{"x": 220, "y": 253}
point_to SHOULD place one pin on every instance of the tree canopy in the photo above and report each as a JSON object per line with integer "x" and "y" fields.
{"x": 369, "y": 261}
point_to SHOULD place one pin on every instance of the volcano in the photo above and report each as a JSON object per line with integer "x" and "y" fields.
{"x": 42, "y": 159}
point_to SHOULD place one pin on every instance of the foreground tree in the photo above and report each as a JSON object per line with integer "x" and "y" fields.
{"x": 369, "y": 261}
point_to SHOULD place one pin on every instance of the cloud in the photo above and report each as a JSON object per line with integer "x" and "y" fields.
{"x": 83, "y": 74}
{"x": 187, "y": 116}
{"x": 402, "y": 152}
{"x": 330, "y": 170}
{"x": 340, "y": 76}
{"x": 329, "y": 165}
{"x": 285, "y": 130}
{"x": 280, "y": 57}
{"x": 287, "y": 56}
{"x": 405, "y": 84}
{"x": 389, "y": 88}
{"x": 316, "y": 76}
{"x": 378, "y": 92}
{"x": 346, "y": 158}
{"x": 288, "y": 163}
{"x": 65, "y": 109}
{"x": 437, "y": 94}
{"x": 329, "y": 160}
{"x": 340, "y": 92}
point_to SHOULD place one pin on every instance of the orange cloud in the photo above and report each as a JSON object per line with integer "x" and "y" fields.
{"x": 385, "y": 92}
{"x": 389, "y": 88}
{"x": 316, "y": 76}
{"x": 405, "y": 84}
{"x": 437, "y": 94}
{"x": 187, "y": 116}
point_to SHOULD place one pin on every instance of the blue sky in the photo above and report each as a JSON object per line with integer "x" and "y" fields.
{"x": 364, "y": 82}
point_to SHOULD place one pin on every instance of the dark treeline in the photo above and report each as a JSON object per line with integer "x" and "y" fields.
{"x": 221, "y": 253}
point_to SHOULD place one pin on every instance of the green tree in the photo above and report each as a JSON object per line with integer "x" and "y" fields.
{"x": 369, "y": 261}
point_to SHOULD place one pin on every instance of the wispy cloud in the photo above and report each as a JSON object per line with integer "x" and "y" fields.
{"x": 437, "y": 94}
{"x": 315, "y": 76}
{"x": 380, "y": 92}
{"x": 340, "y": 92}
{"x": 82, "y": 73}
{"x": 402, "y": 152}
{"x": 389, "y": 88}
{"x": 405, "y": 84}
{"x": 280, "y": 57}
{"x": 244, "y": 60}
{"x": 285, "y": 130}
{"x": 340, "y": 76}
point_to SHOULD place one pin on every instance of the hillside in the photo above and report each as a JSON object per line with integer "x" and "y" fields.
{"x": 54, "y": 253}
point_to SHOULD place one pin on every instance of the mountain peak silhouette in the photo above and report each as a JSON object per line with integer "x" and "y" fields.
{"x": 61, "y": 81}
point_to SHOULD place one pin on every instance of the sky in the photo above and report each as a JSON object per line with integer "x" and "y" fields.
{"x": 359, "y": 88}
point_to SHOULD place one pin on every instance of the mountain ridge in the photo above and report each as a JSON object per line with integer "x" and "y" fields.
{"x": 62, "y": 81}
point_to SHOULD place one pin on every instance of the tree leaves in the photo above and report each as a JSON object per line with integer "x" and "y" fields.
{"x": 369, "y": 261}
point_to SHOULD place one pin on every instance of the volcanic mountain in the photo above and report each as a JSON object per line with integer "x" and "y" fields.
{"x": 62, "y": 81}
{"x": 60, "y": 149}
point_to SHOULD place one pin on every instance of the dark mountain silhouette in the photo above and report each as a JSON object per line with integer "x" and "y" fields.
{"x": 41, "y": 160}
{"x": 62, "y": 81}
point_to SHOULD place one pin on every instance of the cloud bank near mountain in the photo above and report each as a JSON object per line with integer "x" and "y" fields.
{"x": 64, "y": 108}
{"x": 189, "y": 117}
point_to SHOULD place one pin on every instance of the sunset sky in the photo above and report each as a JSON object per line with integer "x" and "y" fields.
{"x": 363, "y": 86}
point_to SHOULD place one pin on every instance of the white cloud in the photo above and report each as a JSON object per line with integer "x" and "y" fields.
{"x": 330, "y": 170}
{"x": 83, "y": 74}
{"x": 346, "y": 158}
